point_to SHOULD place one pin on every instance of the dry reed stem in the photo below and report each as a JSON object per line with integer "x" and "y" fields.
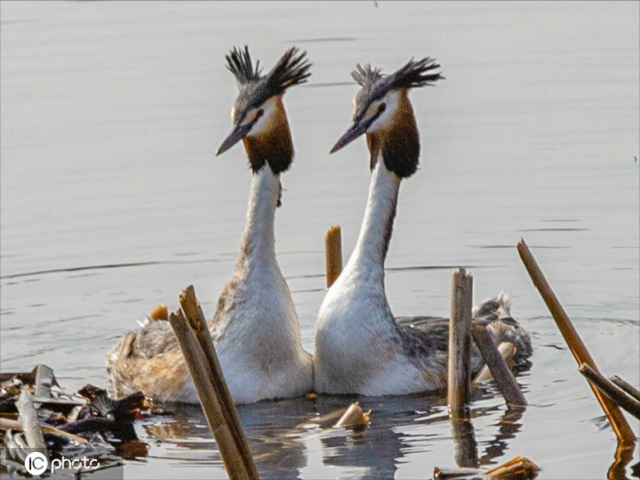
{"x": 8, "y": 424}
{"x": 333, "y": 254}
{"x": 518, "y": 467}
{"x": 611, "y": 390}
{"x": 44, "y": 381}
{"x": 626, "y": 386}
{"x": 459, "y": 382}
{"x": 507, "y": 352}
{"x": 499, "y": 369}
{"x": 198, "y": 325}
{"x": 354, "y": 417}
{"x": 578, "y": 349}
{"x": 30, "y": 422}
{"x": 200, "y": 373}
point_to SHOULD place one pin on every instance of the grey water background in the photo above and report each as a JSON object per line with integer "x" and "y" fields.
{"x": 112, "y": 201}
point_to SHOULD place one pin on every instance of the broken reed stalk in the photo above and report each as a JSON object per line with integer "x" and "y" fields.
{"x": 626, "y": 386}
{"x": 615, "y": 393}
{"x": 518, "y": 467}
{"x": 507, "y": 351}
{"x": 8, "y": 424}
{"x": 30, "y": 422}
{"x": 333, "y": 254}
{"x": 499, "y": 369}
{"x": 44, "y": 381}
{"x": 616, "y": 419}
{"x": 198, "y": 324}
{"x": 459, "y": 382}
{"x": 354, "y": 418}
{"x": 200, "y": 373}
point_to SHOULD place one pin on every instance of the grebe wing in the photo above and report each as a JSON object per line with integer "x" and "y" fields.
{"x": 424, "y": 336}
{"x": 154, "y": 338}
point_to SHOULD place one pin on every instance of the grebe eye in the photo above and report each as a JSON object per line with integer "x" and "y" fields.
{"x": 259, "y": 113}
{"x": 382, "y": 108}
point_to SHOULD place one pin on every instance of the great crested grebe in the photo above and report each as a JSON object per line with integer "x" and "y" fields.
{"x": 255, "y": 328}
{"x": 360, "y": 346}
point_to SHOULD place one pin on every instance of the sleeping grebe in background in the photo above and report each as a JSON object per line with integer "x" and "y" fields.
{"x": 360, "y": 346}
{"x": 255, "y": 329}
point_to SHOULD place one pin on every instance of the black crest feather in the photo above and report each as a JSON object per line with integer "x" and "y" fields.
{"x": 366, "y": 75}
{"x": 415, "y": 73}
{"x": 239, "y": 63}
{"x": 292, "y": 69}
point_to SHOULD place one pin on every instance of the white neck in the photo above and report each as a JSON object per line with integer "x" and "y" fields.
{"x": 258, "y": 240}
{"x": 377, "y": 225}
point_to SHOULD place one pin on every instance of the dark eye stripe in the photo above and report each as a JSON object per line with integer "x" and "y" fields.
{"x": 359, "y": 118}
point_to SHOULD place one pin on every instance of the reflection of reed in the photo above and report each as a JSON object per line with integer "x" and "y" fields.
{"x": 464, "y": 440}
{"x": 624, "y": 456}
{"x": 508, "y": 427}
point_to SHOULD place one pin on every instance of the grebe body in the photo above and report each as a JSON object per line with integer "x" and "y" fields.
{"x": 360, "y": 346}
{"x": 255, "y": 329}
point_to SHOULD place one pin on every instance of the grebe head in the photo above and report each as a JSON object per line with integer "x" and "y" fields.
{"x": 382, "y": 111}
{"x": 258, "y": 115}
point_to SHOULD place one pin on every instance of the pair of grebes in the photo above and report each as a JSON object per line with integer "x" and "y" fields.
{"x": 361, "y": 348}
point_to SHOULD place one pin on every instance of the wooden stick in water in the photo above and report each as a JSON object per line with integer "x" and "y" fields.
{"x": 459, "y": 382}
{"x": 615, "y": 393}
{"x": 200, "y": 373}
{"x": 499, "y": 369}
{"x": 626, "y": 386}
{"x": 507, "y": 352}
{"x": 614, "y": 415}
{"x": 333, "y": 254}
{"x": 198, "y": 324}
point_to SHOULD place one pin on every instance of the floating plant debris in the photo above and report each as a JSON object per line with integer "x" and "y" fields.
{"x": 88, "y": 427}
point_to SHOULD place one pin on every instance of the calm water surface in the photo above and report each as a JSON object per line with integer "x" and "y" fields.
{"x": 112, "y": 201}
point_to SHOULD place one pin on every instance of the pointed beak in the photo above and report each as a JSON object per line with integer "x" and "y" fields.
{"x": 238, "y": 133}
{"x": 355, "y": 130}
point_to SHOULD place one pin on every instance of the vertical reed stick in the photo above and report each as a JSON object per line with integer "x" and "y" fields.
{"x": 459, "y": 382}
{"x": 616, "y": 418}
{"x": 200, "y": 373}
{"x": 333, "y": 254}
{"x": 198, "y": 324}
{"x": 499, "y": 369}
